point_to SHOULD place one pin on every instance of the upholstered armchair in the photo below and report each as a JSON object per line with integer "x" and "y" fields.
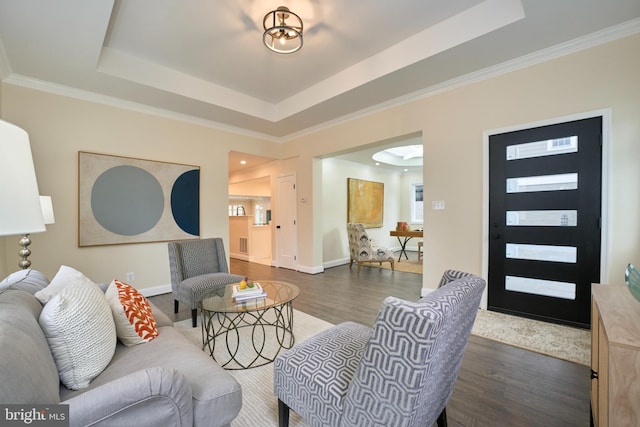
{"x": 400, "y": 373}
{"x": 362, "y": 251}
{"x": 198, "y": 268}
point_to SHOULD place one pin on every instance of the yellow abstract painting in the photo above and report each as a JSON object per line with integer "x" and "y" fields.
{"x": 365, "y": 202}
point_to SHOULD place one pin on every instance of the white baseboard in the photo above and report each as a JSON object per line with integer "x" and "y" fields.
{"x": 309, "y": 270}
{"x": 156, "y": 290}
{"x": 336, "y": 262}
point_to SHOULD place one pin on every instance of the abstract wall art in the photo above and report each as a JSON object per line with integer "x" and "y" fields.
{"x": 365, "y": 202}
{"x": 126, "y": 200}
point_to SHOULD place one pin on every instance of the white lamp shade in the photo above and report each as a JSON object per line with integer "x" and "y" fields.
{"x": 47, "y": 210}
{"x": 20, "y": 211}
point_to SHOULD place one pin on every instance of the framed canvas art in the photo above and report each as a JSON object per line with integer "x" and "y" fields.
{"x": 365, "y": 202}
{"x": 127, "y": 200}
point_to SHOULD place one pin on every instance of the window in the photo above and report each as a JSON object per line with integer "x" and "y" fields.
{"x": 417, "y": 205}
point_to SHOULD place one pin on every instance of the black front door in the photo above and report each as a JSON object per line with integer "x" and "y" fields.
{"x": 544, "y": 220}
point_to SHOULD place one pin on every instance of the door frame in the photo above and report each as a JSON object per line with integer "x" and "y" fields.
{"x": 605, "y": 231}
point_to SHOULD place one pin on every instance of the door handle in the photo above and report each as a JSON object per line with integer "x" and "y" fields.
{"x": 277, "y": 226}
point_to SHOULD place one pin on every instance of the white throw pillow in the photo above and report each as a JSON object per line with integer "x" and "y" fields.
{"x": 132, "y": 314}
{"x": 65, "y": 276}
{"x": 81, "y": 333}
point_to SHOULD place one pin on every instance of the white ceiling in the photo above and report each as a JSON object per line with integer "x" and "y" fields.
{"x": 204, "y": 60}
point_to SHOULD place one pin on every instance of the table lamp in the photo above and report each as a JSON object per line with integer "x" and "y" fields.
{"x": 20, "y": 209}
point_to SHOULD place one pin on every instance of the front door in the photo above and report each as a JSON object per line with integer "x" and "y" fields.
{"x": 544, "y": 220}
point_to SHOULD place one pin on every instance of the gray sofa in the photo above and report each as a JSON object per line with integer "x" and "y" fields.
{"x": 168, "y": 381}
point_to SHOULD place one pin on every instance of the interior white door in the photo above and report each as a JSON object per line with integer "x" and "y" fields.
{"x": 285, "y": 218}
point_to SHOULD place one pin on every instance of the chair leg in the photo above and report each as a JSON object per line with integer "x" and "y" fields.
{"x": 194, "y": 317}
{"x": 393, "y": 265}
{"x": 442, "y": 419}
{"x": 175, "y": 305}
{"x": 350, "y": 263}
{"x": 283, "y": 414}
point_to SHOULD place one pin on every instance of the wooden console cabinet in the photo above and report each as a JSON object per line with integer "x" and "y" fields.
{"x": 615, "y": 356}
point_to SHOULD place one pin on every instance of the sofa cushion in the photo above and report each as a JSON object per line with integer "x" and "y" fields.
{"x": 132, "y": 314}
{"x": 65, "y": 276}
{"x": 27, "y": 280}
{"x": 81, "y": 333}
{"x": 217, "y": 396}
{"x": 27, "y": 371}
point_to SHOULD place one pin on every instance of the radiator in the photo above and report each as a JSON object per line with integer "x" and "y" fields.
{"x": 244, "y": 245}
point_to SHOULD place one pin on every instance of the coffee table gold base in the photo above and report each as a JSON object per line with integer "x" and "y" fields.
{"x": 234, "y": 327}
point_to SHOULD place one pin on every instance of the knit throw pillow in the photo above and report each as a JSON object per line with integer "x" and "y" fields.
{"x": 81, "y": 333}
{"x": 132, "y": 314}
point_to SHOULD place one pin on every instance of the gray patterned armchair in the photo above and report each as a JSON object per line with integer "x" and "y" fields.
{"x": 361, "y": 251}
{"x": 198, "y": 267}
{"x": 400, "y": 373}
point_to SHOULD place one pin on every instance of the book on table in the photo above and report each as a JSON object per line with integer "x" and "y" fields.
{"x": 248, "y": 293}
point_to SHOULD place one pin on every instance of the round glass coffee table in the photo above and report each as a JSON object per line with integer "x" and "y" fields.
{"x": 253, "y": 331}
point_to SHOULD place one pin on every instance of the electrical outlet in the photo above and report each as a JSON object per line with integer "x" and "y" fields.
{"x": 131, "y": 277}
{"x": 437, "y": 204}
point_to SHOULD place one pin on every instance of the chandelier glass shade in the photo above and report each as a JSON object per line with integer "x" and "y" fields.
{"x": 282, "y": 31}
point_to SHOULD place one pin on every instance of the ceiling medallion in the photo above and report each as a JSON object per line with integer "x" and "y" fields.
{"x": 282, "y": 30}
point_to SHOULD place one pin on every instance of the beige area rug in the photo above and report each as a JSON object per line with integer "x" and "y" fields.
{"x": 260, "y": 407}
{"x": 562, "y": 342}
{"x": 407, "y": 266}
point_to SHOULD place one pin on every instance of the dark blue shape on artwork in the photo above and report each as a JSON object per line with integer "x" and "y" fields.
{"x": 185, "y": 202}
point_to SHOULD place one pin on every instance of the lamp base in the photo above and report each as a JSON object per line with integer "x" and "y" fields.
{"x": 24, "y": 253}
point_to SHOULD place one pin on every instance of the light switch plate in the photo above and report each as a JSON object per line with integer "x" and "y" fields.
{"x": 437, "y": 204}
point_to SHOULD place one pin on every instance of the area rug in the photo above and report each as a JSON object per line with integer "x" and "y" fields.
{"x": 260, "y": 407}
{"x": 562, "y": 342}
{"x": 407, "y": 266}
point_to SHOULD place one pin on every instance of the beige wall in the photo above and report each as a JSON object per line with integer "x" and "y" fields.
{"x": 59, "y": 127}
{"x": 334, "y": 207}
{"x": 451, "y": 123}
{"x": 452, "y": 126}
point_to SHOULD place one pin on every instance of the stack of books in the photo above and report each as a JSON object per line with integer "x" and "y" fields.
{"x": 248, "y": 293}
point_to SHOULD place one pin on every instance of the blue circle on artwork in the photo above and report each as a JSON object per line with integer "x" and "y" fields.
{"x": 185, "y": 202}
{"x": 127, "y": 200}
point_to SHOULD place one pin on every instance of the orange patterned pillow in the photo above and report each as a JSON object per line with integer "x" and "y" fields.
{"x": 132, "y": 314}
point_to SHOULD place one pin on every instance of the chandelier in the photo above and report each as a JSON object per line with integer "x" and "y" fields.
{"x": 282, "y": 30}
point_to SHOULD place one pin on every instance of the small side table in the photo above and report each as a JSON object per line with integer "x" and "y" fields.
{"x": 407, "y": 235}
{"x": 254, "y": 332}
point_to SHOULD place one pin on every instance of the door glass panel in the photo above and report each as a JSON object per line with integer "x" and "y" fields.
{"x": 557, "y": 218}
{"x": 549, "y": 147}
{"x": 542, "y": 252}
{"x": 527, "y": 184}
{"x": 547, "y": 288}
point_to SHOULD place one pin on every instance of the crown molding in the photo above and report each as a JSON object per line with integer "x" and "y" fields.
{"x": 621, "y": 31}
{"x": 84, "y": 95}
{"x": 583, "y": 43}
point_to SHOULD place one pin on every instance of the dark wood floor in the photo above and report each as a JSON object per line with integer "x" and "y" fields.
{"x": 498, "y": 385}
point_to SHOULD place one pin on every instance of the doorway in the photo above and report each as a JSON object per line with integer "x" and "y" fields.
{"x": 545, "y": 204}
